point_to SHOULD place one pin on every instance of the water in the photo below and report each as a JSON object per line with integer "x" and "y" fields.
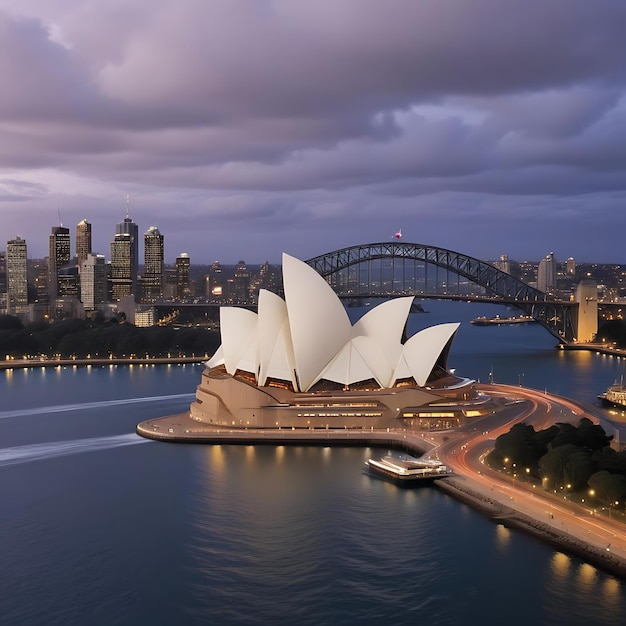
{"x": 99, "y": 526}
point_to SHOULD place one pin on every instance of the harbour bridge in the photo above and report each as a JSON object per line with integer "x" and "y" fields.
{"x": 392, "y": 269}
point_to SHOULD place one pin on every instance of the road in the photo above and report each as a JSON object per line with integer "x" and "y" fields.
{"x": 465, "y": 449}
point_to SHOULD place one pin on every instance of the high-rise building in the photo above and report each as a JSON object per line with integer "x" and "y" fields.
{"x": 3, "y": 273}
{"x": 38, "y": 280}
{"x": 546, "y": 273}
{"x": 215, "y": 282}
{"x": 128, "y": 227}
{"x": 17, "y": 277}
{"x": 152, "y": 277}
{"x": 241, "y": 283}
{"x": 503, "y": 264}
{"x": 183, "y": 289}
{"x": 93, "y": 282}
{"x": 58, "y": 258}
{"x": 122, "y": 282}
{"x": 570, "y": 267}
{"x": 83, "y": 242}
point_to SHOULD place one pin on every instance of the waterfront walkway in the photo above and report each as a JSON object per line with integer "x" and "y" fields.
{"x": 98, "y": 362}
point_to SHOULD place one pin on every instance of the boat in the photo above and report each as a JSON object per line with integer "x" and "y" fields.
{"x": 615, "y": 395}
{"x": 407, "y": 470}
{"x": 491, "y": 321}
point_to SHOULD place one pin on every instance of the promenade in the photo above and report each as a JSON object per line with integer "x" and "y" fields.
{"x": 98, "y": 362}
{"x": 600, "y": 348}
{"x": 567, "y": 526}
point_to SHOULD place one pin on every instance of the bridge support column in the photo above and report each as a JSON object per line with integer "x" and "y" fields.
{"x": 587, "y": 298}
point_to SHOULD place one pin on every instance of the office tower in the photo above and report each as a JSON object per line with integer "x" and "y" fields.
{"x": 183, "y": 290}
{"x": 83, "y": 242}
{"x": 546, "y": 273}
{"x": 241, "y": 283}
{"x": 216, "y": 282}
{"x": 570, "y": 267}
{"x": 58, "y": 258}
{"x": 17, "y": 277}
{"x": 503, "y": 264}
{"x": 3, "y": 273}
{"x": 122, "y": 282}
{"x": 128, "y": 227}
{"x": 68, "y": 282}
{"x": 38, "y": 278}
{"x": 152, "y": 277}
{"x": 93, "y": 282}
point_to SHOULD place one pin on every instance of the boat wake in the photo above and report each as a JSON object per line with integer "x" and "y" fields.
{"x": 50, "y": 450}
{"x": 62, "y": 408}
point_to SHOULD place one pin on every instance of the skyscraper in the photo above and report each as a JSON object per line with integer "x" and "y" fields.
{"x": 93, "y": 281}
{"x": 3, "y": 276}
{"x": 241, "y": 283}
{"x": 546, "y": 273}
{"x": 152, "y": 277}
{"x": 59, "y": 257}
{"x": 503, "y": 264}
{"x": 17, "y": 277}
{"x": 128, "y": 227}
{"x": 571, "y": 267}
{"x": 122, "y": 283}
{"x": 183, "y": 290}
{"x": 83, "y": 242}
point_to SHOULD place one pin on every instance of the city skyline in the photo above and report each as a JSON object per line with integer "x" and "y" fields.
{"x": 250, "y": 129}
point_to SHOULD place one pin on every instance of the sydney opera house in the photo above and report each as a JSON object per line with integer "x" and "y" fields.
{"x": 301, "y": 363}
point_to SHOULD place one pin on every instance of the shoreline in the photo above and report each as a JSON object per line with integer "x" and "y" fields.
{"x": 181, "y": 428}
{"x": 27, "y": 363}
{"x": 510, "y": 517}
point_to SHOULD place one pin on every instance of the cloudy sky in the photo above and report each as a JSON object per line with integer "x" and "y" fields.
{"x": 244, "y": 128}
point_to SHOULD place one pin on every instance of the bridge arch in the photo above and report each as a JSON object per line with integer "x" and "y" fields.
{"x": 558, "y": 317}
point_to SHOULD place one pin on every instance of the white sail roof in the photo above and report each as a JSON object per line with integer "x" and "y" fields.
{"x": 358, "y": 360}
{"x": 319, "y": 324}
{"x": 421, "y": 351}
{"x": 239, "y": 339}
{"x": 276, "y": 358}
{"x": 385, "y": 324}
{"x": 217, "y": 358}
{"x": 308, "y": 337}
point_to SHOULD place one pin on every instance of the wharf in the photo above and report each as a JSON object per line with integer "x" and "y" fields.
{"x": 182, "y": 429}
{"x": 600, "y": 348}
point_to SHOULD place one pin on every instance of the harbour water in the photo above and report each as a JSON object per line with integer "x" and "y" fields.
{"x": 98, "y": 526}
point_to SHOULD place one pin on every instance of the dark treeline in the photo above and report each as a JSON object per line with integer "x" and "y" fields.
{"x": 100, "y": 338}
{"x": 565, "y": 458}
{"x": 613, "y": 331}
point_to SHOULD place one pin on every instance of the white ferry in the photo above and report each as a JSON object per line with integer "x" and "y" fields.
{"x": 615, "y": 395}
{"x": 407, "y": 470}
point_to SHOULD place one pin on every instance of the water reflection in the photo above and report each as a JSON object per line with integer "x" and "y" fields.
{"x": 561, "y": 564}
{"x": 503, "y": 536}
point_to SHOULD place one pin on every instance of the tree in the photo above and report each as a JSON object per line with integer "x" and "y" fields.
{"x": 592, "y": 436}
{"x": 609, "y": 487}
{"x": 553, "y": 464}
{"x": 578, "y": 469}
{"x": 610, "y": 460}
{"x": 520, "y": 447}
{"x": 10, "y": 322}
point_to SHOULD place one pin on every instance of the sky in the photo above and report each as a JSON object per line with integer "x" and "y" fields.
{"x": 247, "y": 128}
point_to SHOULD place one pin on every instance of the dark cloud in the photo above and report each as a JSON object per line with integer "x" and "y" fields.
{"x": 312, "y": 123}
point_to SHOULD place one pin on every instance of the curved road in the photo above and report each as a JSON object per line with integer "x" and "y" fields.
{"x": 465, "y": 450}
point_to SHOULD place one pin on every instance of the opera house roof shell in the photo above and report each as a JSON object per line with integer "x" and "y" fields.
{"x": 308, "y": 338}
